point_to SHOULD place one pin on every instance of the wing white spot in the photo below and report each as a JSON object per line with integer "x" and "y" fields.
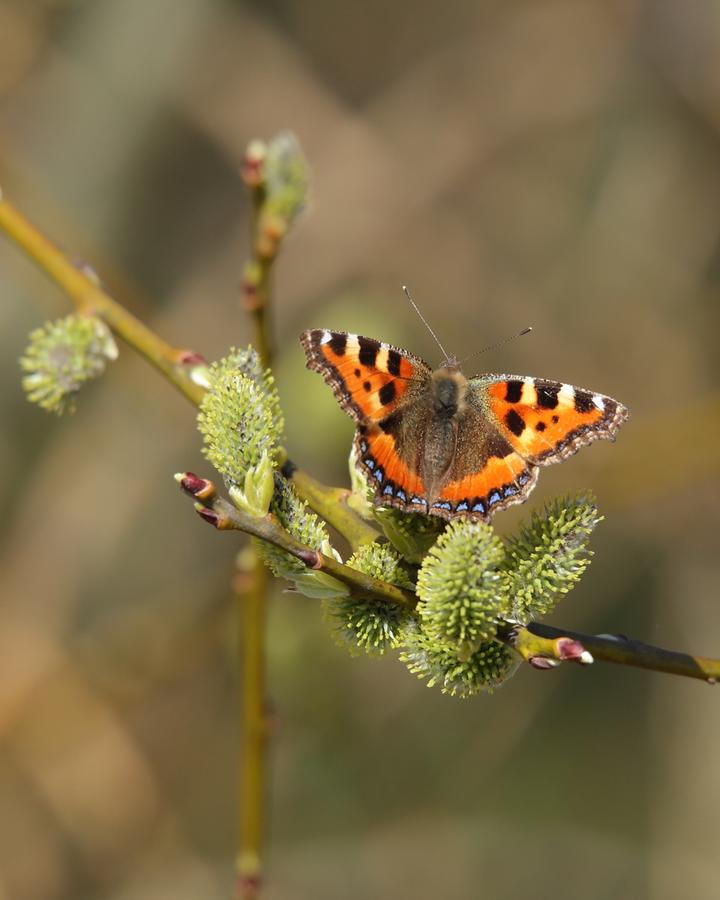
{"x": 566, "y": 394}
{"x": 599, "y": 402}
{"x": 326, "y": 338}
{"x": 528, "y": 394}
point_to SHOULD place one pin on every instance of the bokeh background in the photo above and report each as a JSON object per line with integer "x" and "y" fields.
{"x": 546, "y": 163}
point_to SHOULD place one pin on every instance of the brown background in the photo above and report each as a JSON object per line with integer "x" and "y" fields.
{"x": 545, "y": 163}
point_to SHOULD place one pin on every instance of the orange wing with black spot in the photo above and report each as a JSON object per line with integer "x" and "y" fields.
{"x": 369, "y": 378}
{"x": 547, "y": 421}
{"x": 377, "y": 385}
{"x": 512, "y": 426}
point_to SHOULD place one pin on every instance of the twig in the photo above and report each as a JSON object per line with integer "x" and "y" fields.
{"x": 253, "y": 601}
{"x": 250, "y": 585}
{"x": 258, "y": 269}
{"x": 535, "y": 642}
{"x": 175, "y": 364}
{"x": 224, "y": 516}
{"x": 627, "y": 652}
{"x": 89, "y": 298}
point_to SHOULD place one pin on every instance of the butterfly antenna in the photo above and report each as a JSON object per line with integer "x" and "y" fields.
{"x": 498, "y": 343}
{"x": 424, "y": 320}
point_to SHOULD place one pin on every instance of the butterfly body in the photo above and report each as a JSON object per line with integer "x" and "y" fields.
{"x": 438, "y": 443}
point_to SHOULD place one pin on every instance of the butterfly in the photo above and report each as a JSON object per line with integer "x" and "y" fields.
{"x": 439, "y": 443}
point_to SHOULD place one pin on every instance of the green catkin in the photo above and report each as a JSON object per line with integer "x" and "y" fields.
{"x": 61, "y": 357}
{"x": 460, "y": 587}
{"x": 240, "y": 418}
{"x": 489, "y": 666}
{"x": 307, "y": 528}
{"x": 369, "y": 624}
{"x": 549, "y": 555}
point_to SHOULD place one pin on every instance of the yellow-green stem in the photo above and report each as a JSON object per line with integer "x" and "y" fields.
{"x": 253, "y": 735}
{"x": 251, "y": 590}
{"x": 627, "y": 652}
{"x": 90, "y": 298}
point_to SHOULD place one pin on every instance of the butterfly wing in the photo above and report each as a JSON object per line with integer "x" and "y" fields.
{"x": 370, "y": 379}
{"x": 379, "y": 386}
{"x": 513, "y": 425}
{"x": 547, "y": 421}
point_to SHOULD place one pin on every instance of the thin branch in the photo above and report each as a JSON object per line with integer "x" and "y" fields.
{"x": 627, "y": 652}
{"x": 535, "y": 643}
{"x": 224, "y": 516}
{"x": 251, "y": 584}
{"x": 253, "y": 602}
{"x": 258, "y": 269}
{"x": 175, "y": 364}
{"x": 89, "y": 298}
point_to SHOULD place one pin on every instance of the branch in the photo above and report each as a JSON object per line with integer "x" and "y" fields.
{"x": 253, "y": 600}
{"x": 224, "y": 516}
{"x": 89, "y": 298}
{"x": 543, "y": 646}
{"x": 250, "y": 588}
{"x": 627, "y": 652}
{"x": 256, "y": 277}
{"x": 175, "y": 364}
{"x": 535, "y": 642}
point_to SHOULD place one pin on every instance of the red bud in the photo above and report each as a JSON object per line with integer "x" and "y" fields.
{"x": 209, "y": 515}
{"x": 542, "y": 662}
{"x": 191, "y": 358}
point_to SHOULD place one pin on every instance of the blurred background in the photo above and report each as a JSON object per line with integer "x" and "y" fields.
{"x": 547, "y": 163}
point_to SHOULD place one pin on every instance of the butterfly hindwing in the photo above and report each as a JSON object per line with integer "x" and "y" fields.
{"x": 392, "y": 467}
{"x": 547, "y": 421}
{"x": 487, "y": 473}
{"x": 369, "y": 378}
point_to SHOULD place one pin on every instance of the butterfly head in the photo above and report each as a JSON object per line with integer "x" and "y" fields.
{"x": 448, "y": 387}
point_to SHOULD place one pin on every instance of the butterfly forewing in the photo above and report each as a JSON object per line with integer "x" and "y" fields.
{"x": 369, "y": 378}
{"x": 547, "y": 421}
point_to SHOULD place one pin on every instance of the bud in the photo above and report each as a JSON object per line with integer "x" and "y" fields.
{"x": 255, "y": 498}
{"x": 252, "y": 166}
{"x": 242, "y": 425}
{"x": 198, "y": 487}
{"x": 411, "y": 534}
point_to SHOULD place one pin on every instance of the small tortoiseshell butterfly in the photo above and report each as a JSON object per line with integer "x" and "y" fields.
{"x": 438, "y": 443}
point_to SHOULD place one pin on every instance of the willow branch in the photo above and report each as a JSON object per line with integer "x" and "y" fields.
{"x": 90, "y": 299}
{"x": 543, "y": 646}
{"x": 253, "y": 600}
{"x": 175, "y": 364}
{"x": 626, "y": 652}
{"x": 258, "y": 269}
{"x": 250, "y": 587}
{"x": 534, "y": 642}
{"x": 224, "y": 516}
